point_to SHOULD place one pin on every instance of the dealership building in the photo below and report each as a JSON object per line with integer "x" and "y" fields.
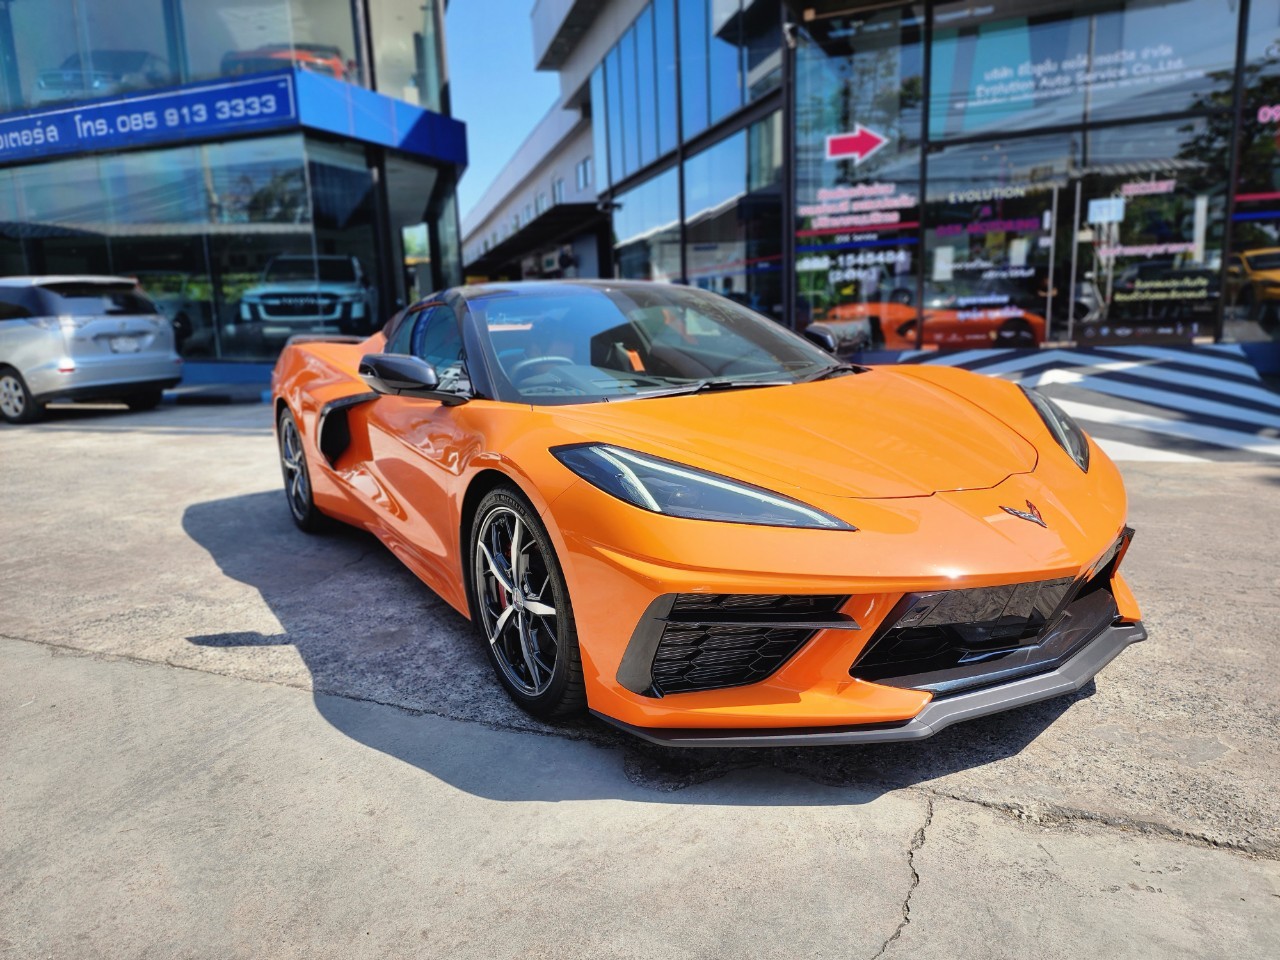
{"x": 943, "y": 174}
{"x": 261, "y": 167}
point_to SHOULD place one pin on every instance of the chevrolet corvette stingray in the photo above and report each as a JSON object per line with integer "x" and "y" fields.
{"x": 658, "y": 506}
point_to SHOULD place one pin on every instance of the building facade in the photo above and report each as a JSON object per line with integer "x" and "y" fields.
{"x": 941, "y": 174}
{"x": 262, "y": 167}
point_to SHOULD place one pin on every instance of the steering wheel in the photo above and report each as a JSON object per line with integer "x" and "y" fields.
{"x": 529, "y": 362}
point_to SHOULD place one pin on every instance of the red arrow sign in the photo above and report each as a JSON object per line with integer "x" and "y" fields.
{"x": 860, "y": 144}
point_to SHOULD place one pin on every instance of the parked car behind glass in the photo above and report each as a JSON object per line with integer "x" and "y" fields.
{"x": 299, "y": 293}
{"x": 81, "y": 338}
{"x": 100, "y": 73}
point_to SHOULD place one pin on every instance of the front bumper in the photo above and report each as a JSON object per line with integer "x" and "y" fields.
{"x": 937, "y": 715}
{"x": 113, "y": 375}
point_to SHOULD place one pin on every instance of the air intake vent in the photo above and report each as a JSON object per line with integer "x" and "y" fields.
{"x": 761, "y": 603}
{"x": 704, "y": 657}
{"x": 705, "y": 641}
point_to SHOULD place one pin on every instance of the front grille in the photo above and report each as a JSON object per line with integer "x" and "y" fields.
{"x": 298, "y": 306}
{"x": 962, "y": 639}
{"x": 708, "y": 641}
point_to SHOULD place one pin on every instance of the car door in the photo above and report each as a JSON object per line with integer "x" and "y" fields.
{"x": 418, "y": 448}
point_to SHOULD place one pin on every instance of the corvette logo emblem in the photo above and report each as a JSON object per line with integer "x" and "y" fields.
{"x": 1031, "y": 513}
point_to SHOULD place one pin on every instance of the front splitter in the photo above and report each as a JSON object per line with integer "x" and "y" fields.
{"x": 937, "y": 715}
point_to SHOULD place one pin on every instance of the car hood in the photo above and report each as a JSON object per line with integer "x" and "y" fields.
{"x": 874, "y": 435}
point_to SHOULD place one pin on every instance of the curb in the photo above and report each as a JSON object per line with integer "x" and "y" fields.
{"x": 217, "y": 394}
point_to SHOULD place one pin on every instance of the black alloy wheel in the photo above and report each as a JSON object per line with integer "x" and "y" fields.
{"x": 297, "y": 477}
{"x": 521, "y": 604}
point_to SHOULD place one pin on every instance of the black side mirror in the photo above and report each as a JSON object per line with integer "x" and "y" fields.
{"x": 403, "y": 376}
{"x": 822, "y": 336}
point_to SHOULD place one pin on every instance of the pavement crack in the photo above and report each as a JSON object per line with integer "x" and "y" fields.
{"x": 1051, "y": 814}
{"x": 917, "y": 841}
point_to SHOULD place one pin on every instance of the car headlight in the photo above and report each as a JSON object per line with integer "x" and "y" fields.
{"x": 663, "y": 486}
{"x": 1065, "y": 430}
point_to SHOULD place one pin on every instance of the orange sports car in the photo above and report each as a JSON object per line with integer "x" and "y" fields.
{"x": 659, "y": 506}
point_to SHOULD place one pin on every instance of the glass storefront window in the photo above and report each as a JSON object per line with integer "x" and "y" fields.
{"x": 230, "y": 37}
{"x": 733, "y": 221}
{"x": 646, "y": 226}
{"x": 761, "y": 47}
{"x": 858, "y": 96}
{"x": 1252, "y": 294}
{"x": 991, "y": 233}
{"x": 599, "y": 127}
{"x": 664, "y": 34}
{"x": 1149, "y": 236}
{"x": 629, "y": 94}
{"x": 724, "y": 60}
{"x": 613, "y": 111}
{"x": 407, "y": 59}
{"x": 1013, "y": 65}
{"x": 646, "y": 88}
{"x": 242, "y": 244}
{"x": 82, "y": 49}
{"x": 71, "y": 50}
{"x": 693, "y": 66}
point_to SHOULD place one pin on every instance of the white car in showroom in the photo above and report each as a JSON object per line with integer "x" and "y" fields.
{"x": 81, "y": 338}
{"x": 300, "y": 293}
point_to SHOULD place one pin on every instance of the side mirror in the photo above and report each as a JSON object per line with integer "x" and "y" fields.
{"x": 1234, "y": 271}
{"x": 397, "y": 375}
{"x": 822, "y": 336}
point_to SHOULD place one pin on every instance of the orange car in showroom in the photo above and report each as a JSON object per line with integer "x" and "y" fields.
{"x": 659, "y": 506}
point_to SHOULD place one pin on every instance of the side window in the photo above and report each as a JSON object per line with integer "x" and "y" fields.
{"x": 438, "y": 340}
{"x": 402, "y": 339}
{"x": 11, "y": 307}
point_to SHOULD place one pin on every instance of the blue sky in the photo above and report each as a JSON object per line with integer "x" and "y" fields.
{"x": 494, "y": 89}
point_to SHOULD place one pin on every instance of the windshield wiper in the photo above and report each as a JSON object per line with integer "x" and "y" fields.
{"x": 833, "y": 370}
{"x": 707, "y": 386}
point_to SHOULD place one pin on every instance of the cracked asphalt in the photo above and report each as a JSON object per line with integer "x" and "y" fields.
{"x": 223, "y": 738}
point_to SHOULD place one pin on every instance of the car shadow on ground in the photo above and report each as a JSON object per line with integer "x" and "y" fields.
{"x": 371, "y": 636}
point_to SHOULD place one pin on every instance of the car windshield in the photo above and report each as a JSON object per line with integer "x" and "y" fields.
{"x": 582, "y": 344}
{"x": 1264, "y": 261}
{"x": 99, "y": 299}
{"x": 335, "y": 270}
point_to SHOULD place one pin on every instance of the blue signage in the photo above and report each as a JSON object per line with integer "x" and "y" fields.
{"x": 194, "y": 112}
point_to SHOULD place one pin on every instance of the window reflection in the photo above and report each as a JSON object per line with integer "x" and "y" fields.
{"x": 695, "y": 109}
{"x": 1252, "y": 295}
{"x": 242, "y": 244}
{"x": 665, "y": 52}
{"x": 71, "y": 50}
{"x": 997, "y": 67}
{"x": 646, "y": 225}
{"x": 859, "y": 84}
{"x": 733, "y": 219}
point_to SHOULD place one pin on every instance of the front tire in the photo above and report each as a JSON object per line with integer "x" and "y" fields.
{"x": 520, "y": 602}
{"x": 16, "y": 403}
{"x": 297, "y": 477}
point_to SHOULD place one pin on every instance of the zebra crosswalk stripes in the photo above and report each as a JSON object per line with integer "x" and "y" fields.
{"x": 1147, "y": 402}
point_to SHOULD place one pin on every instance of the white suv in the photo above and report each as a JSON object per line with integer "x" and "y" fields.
{"x": 305, "y": 294}
{"x": 81, "y": 338}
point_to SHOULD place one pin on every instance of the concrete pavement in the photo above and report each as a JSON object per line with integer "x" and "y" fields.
{"x": 335, "y": 773}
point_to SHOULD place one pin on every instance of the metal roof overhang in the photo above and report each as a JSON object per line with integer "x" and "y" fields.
{"x": 555, "y": 225}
